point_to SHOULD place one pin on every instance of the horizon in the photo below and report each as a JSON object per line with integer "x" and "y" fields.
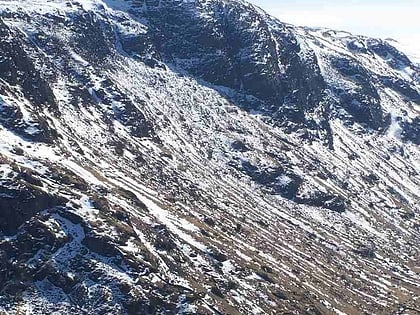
{"x": 355, "y": 17}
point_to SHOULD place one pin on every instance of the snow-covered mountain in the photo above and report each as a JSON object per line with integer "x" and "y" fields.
{"x": 202, "y": 157}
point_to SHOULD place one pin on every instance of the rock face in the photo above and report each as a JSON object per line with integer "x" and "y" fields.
{"x": 19, "y": 203}
{"x": 202, "y": 157}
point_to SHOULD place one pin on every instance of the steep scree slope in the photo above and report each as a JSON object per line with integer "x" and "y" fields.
{"x": 201, "y": 157}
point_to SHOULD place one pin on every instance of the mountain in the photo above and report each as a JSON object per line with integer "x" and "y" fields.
{"x": 408, "y": 47}
{"x": 202, "y": 157}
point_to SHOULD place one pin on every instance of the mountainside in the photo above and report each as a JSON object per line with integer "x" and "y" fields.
{"x": 202, "y": 157}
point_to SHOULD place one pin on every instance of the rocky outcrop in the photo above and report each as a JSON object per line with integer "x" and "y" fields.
{"x": 201, "y": 157}
{"x": 20, "y": 202}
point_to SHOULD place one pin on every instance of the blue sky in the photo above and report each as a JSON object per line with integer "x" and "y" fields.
{"x": 377, "y": 18}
